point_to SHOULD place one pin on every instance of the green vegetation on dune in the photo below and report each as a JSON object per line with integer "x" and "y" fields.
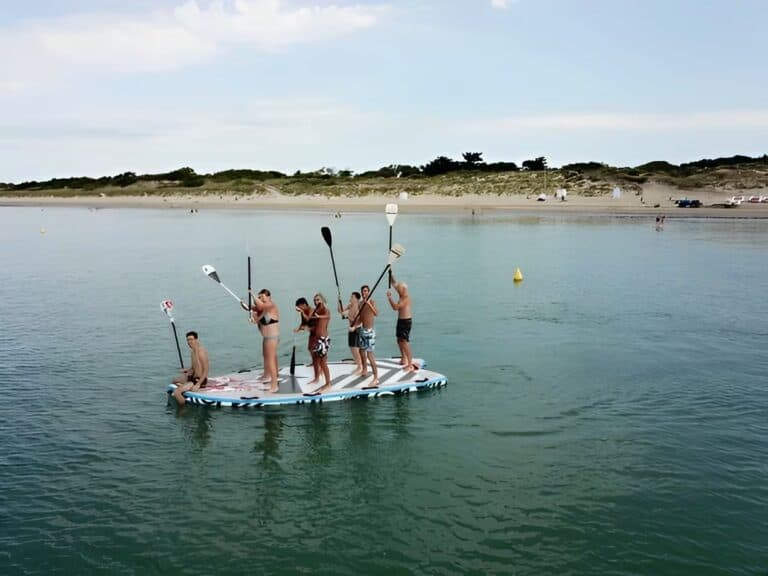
{"x": 441, "y": 176}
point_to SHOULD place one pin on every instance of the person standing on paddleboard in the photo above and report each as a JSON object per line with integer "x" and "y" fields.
{"x": 367, "y": 334}
{"x": 349, "y": 312}
{"x": 322, "y": 342}
{"x": 196, "y": 376}
{"x": 266, "y": 315}
{"x": 404, "y": 323}
{"x": 308, "y": 323}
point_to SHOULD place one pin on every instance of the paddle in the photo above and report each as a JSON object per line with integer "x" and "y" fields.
{"x": 394, "y": 253}
{"x": 250, "y": 295}
{"x": 167, "y": 307}
{"x": 293, "y": 356}
{"x": 210, "y": 271}
{"x": 328, "y": 240}
{"x": 391, "y": 211}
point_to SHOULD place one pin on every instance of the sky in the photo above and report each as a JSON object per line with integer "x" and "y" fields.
{"x": 102, "y": 87}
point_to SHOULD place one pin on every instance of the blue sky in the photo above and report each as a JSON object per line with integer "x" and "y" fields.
{"x": 100, "y": 87}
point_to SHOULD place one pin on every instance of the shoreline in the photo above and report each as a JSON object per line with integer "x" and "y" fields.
{"x": 652, "y": 202}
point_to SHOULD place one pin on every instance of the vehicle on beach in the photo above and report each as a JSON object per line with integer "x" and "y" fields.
{"x": 688, "y": 203}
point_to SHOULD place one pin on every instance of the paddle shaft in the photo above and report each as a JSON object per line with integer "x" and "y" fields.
{"x": 250, "y": 296}
{"x": 386, "y": 269}
{"x": 178, "y": 348}
{"x": 390, "y": 249}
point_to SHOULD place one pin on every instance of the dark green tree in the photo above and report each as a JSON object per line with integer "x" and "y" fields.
{"x": 440, "y": 165}
{"x": 535, "y": 165}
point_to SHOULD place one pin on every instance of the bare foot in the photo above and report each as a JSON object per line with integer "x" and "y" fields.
{"x": 374, "y": 384}
{"x": 274, "y": 390}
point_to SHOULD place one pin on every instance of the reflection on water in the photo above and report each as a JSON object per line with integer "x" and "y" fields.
{"x": 269, "y": 445}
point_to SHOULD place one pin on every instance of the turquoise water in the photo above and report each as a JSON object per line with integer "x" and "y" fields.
{"x": 606, "y": 416}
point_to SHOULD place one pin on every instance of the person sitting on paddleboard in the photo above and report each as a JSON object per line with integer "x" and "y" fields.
{"x": 196, "y": 376}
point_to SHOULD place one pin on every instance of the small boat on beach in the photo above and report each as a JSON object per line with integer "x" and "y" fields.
{"x": 245, "y": 390}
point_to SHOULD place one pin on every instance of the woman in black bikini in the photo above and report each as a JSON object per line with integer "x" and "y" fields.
{"x": 266, "y": 315}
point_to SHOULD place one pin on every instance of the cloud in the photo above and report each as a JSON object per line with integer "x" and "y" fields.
{"x": 502, "y": 4}
{"x": 755, "y": 119}
{"x": 190, "y": 33}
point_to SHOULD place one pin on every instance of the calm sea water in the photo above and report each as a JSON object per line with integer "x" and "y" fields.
{"x": 609, "y": 415}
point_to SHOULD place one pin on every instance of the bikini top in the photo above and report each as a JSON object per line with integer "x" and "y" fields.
{"x": 265, "y": 320}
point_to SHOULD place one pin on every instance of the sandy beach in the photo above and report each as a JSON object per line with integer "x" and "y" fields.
{"x": 652, "y": 200}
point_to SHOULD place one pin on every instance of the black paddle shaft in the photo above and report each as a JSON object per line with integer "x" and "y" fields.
{"x": 386, "y": 269}
{"x": 178, "y": 348}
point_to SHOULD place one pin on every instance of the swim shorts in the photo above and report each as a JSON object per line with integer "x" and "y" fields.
{"x": 322, "y": 346}
{"x": 403, "y": 329}
{"x": 353, "y": 339}
{"x": 366, "y": 339}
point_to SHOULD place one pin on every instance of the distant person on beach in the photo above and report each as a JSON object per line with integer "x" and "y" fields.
{"x": 404, "y": 323}
{"x": 659, "y": 222}
{"x": 196, "y": 376}
{"x": 322, "y": 343}
{"x": 266, "y": 315}
{"x": 367, "y": 334}
{"x": 349, "y": 312}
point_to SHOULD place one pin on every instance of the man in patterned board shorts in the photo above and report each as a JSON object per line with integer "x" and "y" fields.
{"x": 367, "y": 335}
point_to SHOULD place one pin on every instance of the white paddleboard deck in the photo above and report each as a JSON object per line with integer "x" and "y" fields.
{"x": 244, "y": 389}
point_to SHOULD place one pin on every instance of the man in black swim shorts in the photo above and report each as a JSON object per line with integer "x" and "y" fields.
{"x": 404, "y": 323}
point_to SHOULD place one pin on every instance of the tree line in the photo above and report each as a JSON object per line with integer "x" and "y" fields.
{"x": 470, "y": 162}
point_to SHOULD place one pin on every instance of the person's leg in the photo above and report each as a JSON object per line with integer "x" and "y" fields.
{"x": 178, "y": 394}
{"x": 315, "y": 369}
{"x": 270, "y": 363}
{"x": 374, "y": 368}
{"x": 326, "y": 374}
{"x": 355, "y": 351}
{"x": 408, "y": 354}
{"x": 403, "y": 358}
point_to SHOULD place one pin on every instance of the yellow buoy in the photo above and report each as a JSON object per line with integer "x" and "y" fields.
{"x": 42, "y": 230}
{"x": 518, "y": 277}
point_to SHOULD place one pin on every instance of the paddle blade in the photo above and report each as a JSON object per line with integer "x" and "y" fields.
{"x": 391, "y": 212}
{"x": 210, "y": 271}
{"x": 293, "y": 361}
{"x": 167, "y": 307}
{"x": 326, "y": 232}
{"x": 395, "y": 252}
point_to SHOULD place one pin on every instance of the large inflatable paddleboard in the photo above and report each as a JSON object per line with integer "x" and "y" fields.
{"x": 244, "y": 389}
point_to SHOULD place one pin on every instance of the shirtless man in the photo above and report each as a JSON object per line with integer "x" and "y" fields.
{"x": 309, "y": 324}
{"x": 266, "y": 315}
{"x": 195, "y": 377}
{"x": 349, "y": 312}
{"x": 367, "y": 334}
{"x": 322, "y": 316}
{"x": 404, "y": 322}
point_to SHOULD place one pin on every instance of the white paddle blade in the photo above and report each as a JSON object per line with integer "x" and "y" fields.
{"x": 167, "y": 307}
{"x": 210, "y": 271}
{"x": 395, "y": 252}
{"x": 391, "y": 212}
